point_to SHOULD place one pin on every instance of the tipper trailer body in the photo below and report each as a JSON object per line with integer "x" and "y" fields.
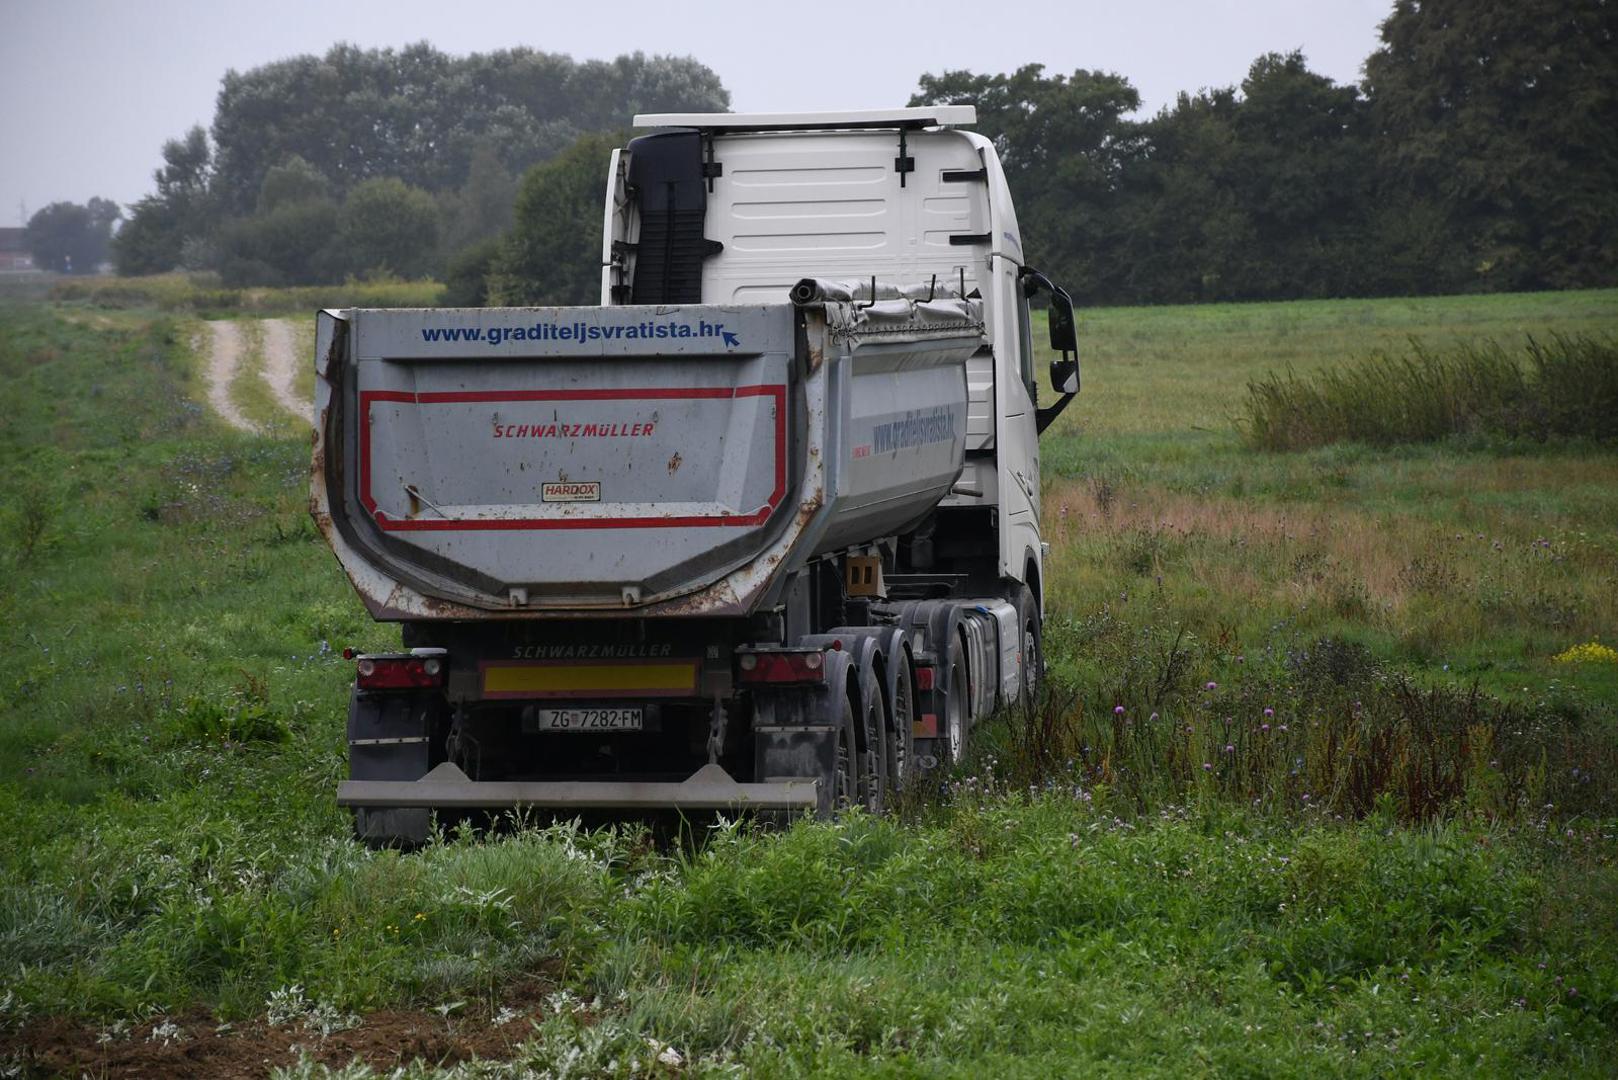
{"x": 760, "y": 532}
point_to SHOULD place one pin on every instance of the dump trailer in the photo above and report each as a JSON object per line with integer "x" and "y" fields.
{"x": 761, "y": 532}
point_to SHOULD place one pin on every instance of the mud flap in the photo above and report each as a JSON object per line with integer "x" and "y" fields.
{"x": 795, "y": 731}
{"x": 389, "y": 738}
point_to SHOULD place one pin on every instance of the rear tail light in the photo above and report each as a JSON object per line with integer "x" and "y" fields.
{"x": 779, "y": 667}
{"x": 924, "y": 676}
{"x": 399, "y": 672}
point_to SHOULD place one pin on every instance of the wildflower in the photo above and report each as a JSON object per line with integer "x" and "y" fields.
{"x": 1229, "y": 749}
{"x": 1306, "y": 796}
{"x": 1118, "y": 710}
{"x": 1211, "y": 686}
{"x": 1264, "y": 727}
{"x": 1206, "y": 766}
{"x": 1154, "y": 718}
{"x": 1283, "y": 727}
{"x": 1268, "y": 712}
{"x": 1592, "y": 652}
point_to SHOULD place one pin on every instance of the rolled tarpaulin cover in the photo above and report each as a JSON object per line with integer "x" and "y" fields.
{"x": 819, "y": 291}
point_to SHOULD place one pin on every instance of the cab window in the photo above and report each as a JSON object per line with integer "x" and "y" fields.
{"x": 1025, "y": 346}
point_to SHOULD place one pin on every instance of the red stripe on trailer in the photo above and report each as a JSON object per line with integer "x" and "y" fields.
{"x": 757, "y": 517}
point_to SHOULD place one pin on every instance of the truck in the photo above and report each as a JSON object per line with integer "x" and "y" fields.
{"x": 760, "y": 533}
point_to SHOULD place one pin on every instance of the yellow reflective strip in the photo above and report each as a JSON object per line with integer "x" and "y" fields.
{"x": 589, "y": 678}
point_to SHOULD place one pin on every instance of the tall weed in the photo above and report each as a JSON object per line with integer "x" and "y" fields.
{"x": 1566, "y": 387}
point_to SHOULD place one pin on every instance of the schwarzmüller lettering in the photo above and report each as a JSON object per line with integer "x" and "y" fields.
{"x": 574, "y": 431}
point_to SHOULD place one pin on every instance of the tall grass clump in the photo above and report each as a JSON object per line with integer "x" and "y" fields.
{"x": 1566, "y": 387}
{"x": 1297, "y": 728}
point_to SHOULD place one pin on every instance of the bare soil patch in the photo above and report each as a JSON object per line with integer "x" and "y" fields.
{"x": 196, "y": 1045}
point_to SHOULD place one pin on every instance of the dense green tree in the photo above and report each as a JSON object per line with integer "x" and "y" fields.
{"x": 1494, "y": 126}
{"x": 291, "y": 182}
{"x": 1241, "y": 194}
{"x": 181, "y": 210}
{"x": 68, "y": 238}
{"x": 292, "y": 244}
{"x": 466, "y": 276}
{"x": 419, "y": 115}
{"x": 482, "y": 207}
{"x": 389, "y": 227}
{"x": 553, "y": 255}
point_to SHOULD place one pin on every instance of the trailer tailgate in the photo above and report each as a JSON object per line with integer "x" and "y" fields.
{"x": 568, "y": 457}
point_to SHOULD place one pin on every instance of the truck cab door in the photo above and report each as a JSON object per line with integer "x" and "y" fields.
{"x": 1017, "y": 433}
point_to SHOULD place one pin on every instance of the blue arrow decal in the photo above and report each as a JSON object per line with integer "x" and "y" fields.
{"x": 731, "y": 340}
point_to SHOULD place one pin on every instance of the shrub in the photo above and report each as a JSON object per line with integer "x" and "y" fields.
{"x": 1567, "y": 388}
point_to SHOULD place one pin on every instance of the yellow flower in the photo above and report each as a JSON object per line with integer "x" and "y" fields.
{"x": 1591, "y": 652}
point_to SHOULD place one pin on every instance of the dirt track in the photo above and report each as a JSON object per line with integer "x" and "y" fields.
{"x": 224, "y": 358}
{"x": 281, "y": 367}
{"x": 277, "y": 363}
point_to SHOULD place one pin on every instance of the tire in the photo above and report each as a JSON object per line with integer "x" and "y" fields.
{"x": 1032, "y": 647}
{"x": 873, "y": 730}
{"x": 845, "y": 778}
{"x": 958, "y": 690}
{"x": 901, "y": 717}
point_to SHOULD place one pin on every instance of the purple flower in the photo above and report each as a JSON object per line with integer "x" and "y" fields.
{"x": 1283, "y": 727}
{"x": 1264, "y": 727}
{"x": 1154, "y": 717}
{"x": 1268, "y": 712}
{"x": 1118, "y": 710}
{"x": 1211, "y": 686}
{"x": 1206, "y": 766}
{"x": 1229, "y": 749}
{"x": 1306, "y": 796}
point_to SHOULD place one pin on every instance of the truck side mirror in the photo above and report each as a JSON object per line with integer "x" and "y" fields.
{"x": 1064, "y": 338}
{"x": 1065, "y": 376}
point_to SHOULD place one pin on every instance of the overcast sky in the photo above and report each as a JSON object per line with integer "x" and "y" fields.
{"x": 90, "y": 89}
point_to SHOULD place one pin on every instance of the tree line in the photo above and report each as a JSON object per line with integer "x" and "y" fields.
{"x": 1476, "y": 154}
{"x": 1479, "y": 153}
{"x": 377, "y": 161}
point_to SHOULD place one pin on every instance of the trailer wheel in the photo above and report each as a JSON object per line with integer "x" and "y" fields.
{"x": 901, "y": 718}
{"x": 845, "y": 785}
{"x": 957, "y": 690}
{"x": 1032, "y": 645}
{"x": 872, "y": 742}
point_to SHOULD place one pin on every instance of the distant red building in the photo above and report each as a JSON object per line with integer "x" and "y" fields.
{"x": 14, "y": 254}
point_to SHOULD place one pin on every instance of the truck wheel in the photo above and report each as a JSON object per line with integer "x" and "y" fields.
{"x": 1032, "y": 647}
{"x": 956, "y": 692}
{"x": 844, "y": 791}
{"x": 901, "y": 748}
{"x": 873, "y": 744}
{"x": 403, "y": 827}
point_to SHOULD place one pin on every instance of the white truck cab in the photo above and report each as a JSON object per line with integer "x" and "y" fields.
{"x": 890, "y": 195}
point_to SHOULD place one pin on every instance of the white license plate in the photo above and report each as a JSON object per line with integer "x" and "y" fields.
{"x": 590, "y": 719}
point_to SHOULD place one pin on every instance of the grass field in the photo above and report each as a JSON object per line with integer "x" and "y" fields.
{"x": 1326, "y": 783}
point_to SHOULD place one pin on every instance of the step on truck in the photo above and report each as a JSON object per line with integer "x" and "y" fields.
{"x": 761, "y": 532}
